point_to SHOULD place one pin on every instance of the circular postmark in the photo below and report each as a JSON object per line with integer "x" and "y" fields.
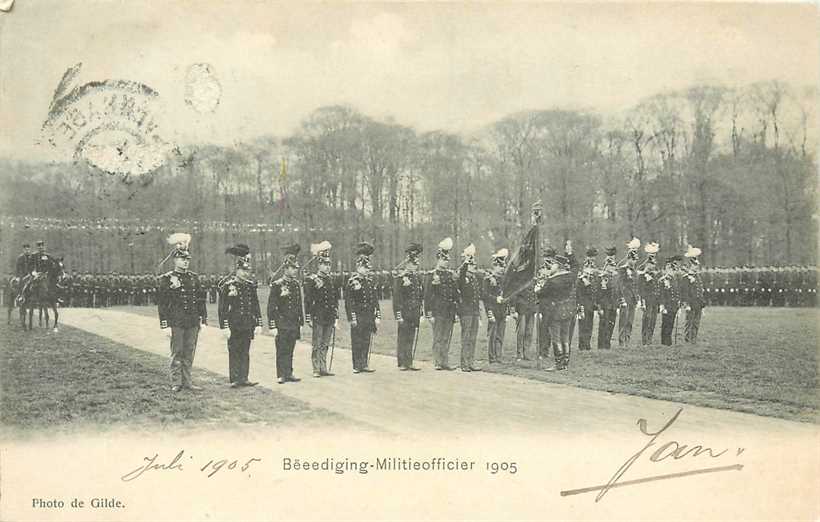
{"x": 110, "y": 124}
{"x": 202, "y": 89}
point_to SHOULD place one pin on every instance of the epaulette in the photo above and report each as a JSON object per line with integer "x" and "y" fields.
{"x": 225, "y": 280}
{"x": 193, "y": 273}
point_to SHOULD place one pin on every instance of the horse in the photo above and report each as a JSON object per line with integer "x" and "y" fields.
{"x": 41, "y": 292}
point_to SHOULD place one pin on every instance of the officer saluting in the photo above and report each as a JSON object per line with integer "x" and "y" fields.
{"x": 181, "y": 306}
{"x": 285, "y": 314}
{"x": 362, "y": 307}
{"x": 469, "y": 290}
{"x": 669, "y": 296}
{"x": 441, "y": 299}
{"x": 648, "y": 290}
{"x": 239, "y": 314}
{"x": 495, "y": 306}
{"x": 321, "y": 308}
{"x": 408, "y": 295}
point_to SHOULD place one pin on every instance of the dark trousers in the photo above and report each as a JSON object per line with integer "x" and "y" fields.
{"x": 606, "y": 324}
{"x": 650, "y": 317}
{"x": 495, "y": 338}
{"x": 360, "y": 343}
{"x": 626, "y": 316}
{"x": 239, "y": 346}
{"x": 442, "y": 335}
{"x": 543, "y": 337}
{"x": 523, "y": 333}
{"x": 404, "y": 343}
{"x": 667, "y": 326}
{"x": 693, "y": 324}
{"x": 559, "y": 337}
{"x": 285, "y": 342}
{"x": 585, "y": 328}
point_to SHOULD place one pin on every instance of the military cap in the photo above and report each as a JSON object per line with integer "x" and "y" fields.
{"x": 363, "y": 252}
{"x": 413, "y": 252}
{"x": 500, "y": 257}
{"x": 592, "y": 252}
{"x": 291, "y": 251}
{"x": 444, "y": 247}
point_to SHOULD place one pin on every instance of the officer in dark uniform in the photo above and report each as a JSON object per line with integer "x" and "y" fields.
{"x": 692, "y": 295}
{"x": 669, "y": 295}
{"x": 285, "y": 314}
{"x": 24, "y": 265}
{"x": 556, "y": 296}
{"x": 321, "y": 309}
{"x": 586, "y": 289}
{"x": 239, "y": 314}
{"x": 543, "y": 341}
{"x": 469, "y": 290}
{"x": 362, "y": 307}
{"x": 606, "y": 300}
{"x": 181, "y": 306}
{"x": 495, "y": 306}
{"x": 408, "y": 306}
{"x": 627, "y": 292}
{"x": 441, "y": 300}
{"x": 648, "y": 276}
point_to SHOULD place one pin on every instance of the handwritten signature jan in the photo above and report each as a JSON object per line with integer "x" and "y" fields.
{"x": 671, "y": 449}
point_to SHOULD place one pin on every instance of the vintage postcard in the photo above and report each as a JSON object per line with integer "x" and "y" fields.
{"x": 408, "y": 261}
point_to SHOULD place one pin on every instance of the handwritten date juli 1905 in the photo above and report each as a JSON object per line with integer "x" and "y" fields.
{"x": 178, "y": 463}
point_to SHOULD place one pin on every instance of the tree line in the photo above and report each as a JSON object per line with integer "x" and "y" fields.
{"x": 731, "y": 170}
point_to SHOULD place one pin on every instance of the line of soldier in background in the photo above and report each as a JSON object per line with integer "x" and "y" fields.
{"x": 793, "y": 286}
{"x": 778, "y": 286}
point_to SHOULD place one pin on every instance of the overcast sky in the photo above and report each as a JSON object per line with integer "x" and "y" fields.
{"x": 452, "y": 66}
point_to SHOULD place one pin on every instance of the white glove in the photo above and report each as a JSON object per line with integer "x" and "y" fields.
{"x": 257, "y": 330}
{"x": 226, "y": 332}
{"x": 168, "y": 333}
{"x": 354, "y": 324}
{"x": 479, "y": 323}
{"x": 272, "y": 331}
{"x": 378, "y": 321}
{"x": 336, "y": 323}
{"x": 499, "y": 300}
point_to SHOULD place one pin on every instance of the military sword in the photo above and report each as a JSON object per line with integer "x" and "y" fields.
{"x": 332, "y": 346}
{"x": 415, "y": 341}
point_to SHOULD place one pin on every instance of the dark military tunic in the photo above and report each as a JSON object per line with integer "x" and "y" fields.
{"x": 408, "y": 307}
{"x": 321, "y": 299}
{"x": 669, "y": 297}
{"x": 238, "y": 310}
{"x": 181, "y": 300}
{"x": 362, "y": 308}
{"x": 285, "y": 314}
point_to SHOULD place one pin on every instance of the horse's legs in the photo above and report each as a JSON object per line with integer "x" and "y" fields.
{"x": 56, "y": 315}
{"x": 31, "y": 318}
{"x": 45, "y": 309}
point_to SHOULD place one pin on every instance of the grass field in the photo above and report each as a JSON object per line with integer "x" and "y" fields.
{"x": 755, "y": 360}
{"x": 76, "y": 380}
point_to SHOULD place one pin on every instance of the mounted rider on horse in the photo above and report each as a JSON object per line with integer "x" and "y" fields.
{"x": 32, "y": 267}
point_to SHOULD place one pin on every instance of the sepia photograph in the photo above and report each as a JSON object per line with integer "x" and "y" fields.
{"x": 274, "y": 260}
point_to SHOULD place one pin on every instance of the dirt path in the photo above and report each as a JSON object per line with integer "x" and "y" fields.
{"x": 418, "y": 403}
